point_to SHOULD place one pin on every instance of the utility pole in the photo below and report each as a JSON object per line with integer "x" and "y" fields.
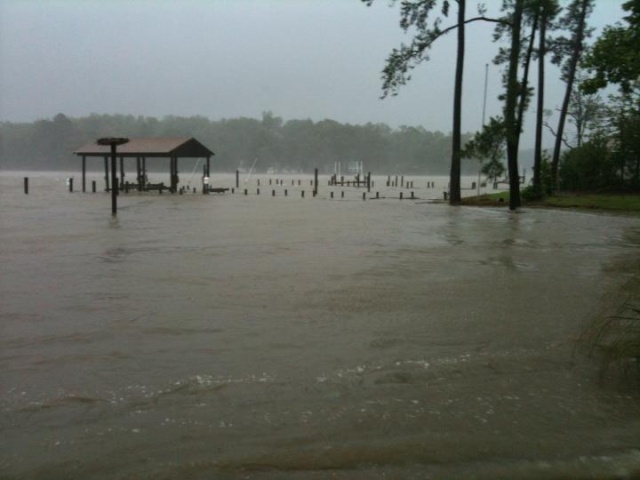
{"x": 484, "y": 111}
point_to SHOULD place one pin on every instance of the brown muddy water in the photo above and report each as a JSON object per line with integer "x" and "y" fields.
{"x": 259, "y": 337}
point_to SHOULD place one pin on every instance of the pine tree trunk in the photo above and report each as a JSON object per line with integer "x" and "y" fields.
{"x": 525, "y": 75}
{"x": 537, "y": 159}
{"x": 456, "y": 149}
{"x": 571, "y": 75}
{"x": 511, "y": 121}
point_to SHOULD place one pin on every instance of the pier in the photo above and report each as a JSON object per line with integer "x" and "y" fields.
{"x": 143, "y": 149}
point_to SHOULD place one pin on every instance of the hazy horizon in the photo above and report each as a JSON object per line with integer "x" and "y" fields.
{"x": 228, "y": 59}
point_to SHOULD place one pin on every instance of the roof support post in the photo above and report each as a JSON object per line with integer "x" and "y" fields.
{"x": 84, "y": 174}
{"x": 106, "y": 173}
{"x": 121, "y": 172}
{"x": 174, "y": 174}
{"x": 171, "y": 174}
{"x": 138, "y": 174}
{"x": 144, "y": 173}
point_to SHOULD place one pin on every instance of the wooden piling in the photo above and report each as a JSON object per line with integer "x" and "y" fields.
{"x": 93, "y": 186}
{"x": 315, "y": 182}
{"x": 26, "y": 185}
{"x": 237, "y": 178}
{"x": 400, "y": 195}
{"x": 71, "y": 185}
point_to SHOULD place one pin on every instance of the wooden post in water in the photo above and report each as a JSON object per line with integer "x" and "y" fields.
{"x": 93, "y": 186}
{"x": 70, "y": 184}
{"x": 369, "y": 182}
{"x": 26, "y": 185}
{"x": 113, "y": 142}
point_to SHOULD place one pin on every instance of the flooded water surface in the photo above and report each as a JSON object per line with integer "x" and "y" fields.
{"x": 260, "y": 336}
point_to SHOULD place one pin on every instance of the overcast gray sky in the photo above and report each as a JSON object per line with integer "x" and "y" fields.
{"x": 228, "y": 58}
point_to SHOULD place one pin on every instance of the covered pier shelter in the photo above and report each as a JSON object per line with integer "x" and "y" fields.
{"x": 171, "y": 148}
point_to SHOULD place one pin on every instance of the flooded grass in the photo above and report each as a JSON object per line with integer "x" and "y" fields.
{"x": 628, "y": 203}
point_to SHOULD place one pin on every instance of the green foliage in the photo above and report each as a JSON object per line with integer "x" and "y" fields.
{"x": 614, "y": 57}
{"x": 534, "y": 193}
{"x": 489, "y": 143}
{"x": 415, "y": 15}
{"x": 590, "y": 167}
{"x": 493, "y": 169}
{"x": 488, "y": 146}
{"x": 626, "y": 140}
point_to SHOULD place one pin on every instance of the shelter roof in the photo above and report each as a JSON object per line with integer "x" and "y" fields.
{"x": 150, "y": 147}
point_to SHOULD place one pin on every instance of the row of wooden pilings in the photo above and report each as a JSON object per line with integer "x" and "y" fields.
{"x": 331, "y": 194}
{"x": 313, "y": 183}
{"x": 246, "y": 191}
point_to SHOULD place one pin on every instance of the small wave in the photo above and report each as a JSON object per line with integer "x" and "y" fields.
{"x": 60, "y": 402}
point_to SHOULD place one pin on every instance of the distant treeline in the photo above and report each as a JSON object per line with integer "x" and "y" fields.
{"x": 294, "y": 145}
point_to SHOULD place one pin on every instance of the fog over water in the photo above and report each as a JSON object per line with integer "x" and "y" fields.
{"x": 261, "y": 336}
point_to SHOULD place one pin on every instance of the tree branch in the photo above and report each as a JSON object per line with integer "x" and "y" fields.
{"x": 553, "y": 132}
{"x": 470, "y": 20}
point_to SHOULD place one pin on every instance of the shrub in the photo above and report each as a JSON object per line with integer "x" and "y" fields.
{"x": 590, "y": 167}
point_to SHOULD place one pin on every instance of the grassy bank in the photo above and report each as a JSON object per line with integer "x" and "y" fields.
{"x": 607, "y": 202}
